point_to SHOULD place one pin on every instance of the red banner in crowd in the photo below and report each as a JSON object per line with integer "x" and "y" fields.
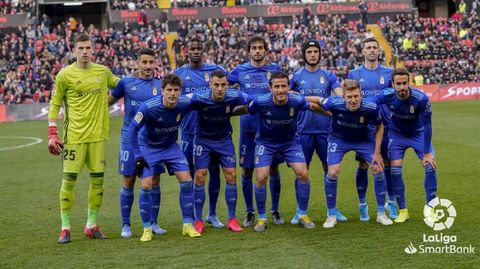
{"x": 275, "y": 10}
{"x": 455, "y": 91}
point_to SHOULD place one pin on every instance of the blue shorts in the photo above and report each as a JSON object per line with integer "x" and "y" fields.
{"x": 203, "y": 150}
{"x": 290, "y": 152}
{"x": 126, "y": 162}
{"x": 398, "y": 144}
{"x": 186, "y": 143}
{"x": 337, "y": 148}
{"x": 247, "y": 151}
{"x": 172, "y": 157}
{"x": 311, "y": 143}
{"x": 383, "y": 149}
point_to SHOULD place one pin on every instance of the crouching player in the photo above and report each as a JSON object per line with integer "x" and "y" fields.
{"x": 351, "y": 117}
{"x": 155, "y": 144}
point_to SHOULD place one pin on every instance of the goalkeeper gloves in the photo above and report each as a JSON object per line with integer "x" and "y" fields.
{"x": 55, "y": 144}
{"x": 140, "y": 164}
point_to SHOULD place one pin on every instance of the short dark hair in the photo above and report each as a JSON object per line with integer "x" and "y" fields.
{"x": 145, "y": 51}
{"x": 370, "y": 39}
{"x": 81, "y": 38}
{"x": 218, "y": 74}
{"x": 195, "y": 39}
{"x": 171, "y": 79}
{"x": 350, "y": 85}
{"x": 257, "y": 39}
{"x": 278, "y": 75}
{"x": 400, "y": 72}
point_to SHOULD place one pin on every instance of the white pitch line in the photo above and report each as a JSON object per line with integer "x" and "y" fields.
{"x": 36, "y": 140}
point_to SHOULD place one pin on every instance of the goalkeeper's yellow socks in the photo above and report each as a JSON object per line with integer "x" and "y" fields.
{"x": 95, "y": 197}
{"x": 67, "y": 198}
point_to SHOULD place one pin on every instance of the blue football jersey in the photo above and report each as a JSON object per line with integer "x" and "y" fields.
{"x": 193, "y": 80}
{"x": 407, "y": 115}
{"x": 213, "y": 118}
{"x": 352, "y": 126}
{"x": 253, "y": 81}
{"x": 319, "y": 83}
{"x": 278, "y": 123}
{"x": 134, "y": 91}
{"x": 160, "y": 124}
{"x": 372, "y": 82}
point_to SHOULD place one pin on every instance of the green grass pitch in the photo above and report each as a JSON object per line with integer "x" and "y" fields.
{"x": 30, "y": 222}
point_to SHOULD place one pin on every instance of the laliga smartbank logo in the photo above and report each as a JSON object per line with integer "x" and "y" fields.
{"x": 439, "y": 214}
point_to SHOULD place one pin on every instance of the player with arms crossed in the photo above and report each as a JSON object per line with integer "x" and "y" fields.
{"x": 411, "y": 126}
{"x": 196, "y": 77}
{"x": 311, "y": 80}
{"x": 135, "y": 90}
{"x": 154, "y": 133}
{"x": 373, "y": 78}
{"x": 253, "y": 79}
{"x": 213, "y": 135}
{"x": 350, "y": 131}
{"x": 83, "y": 88}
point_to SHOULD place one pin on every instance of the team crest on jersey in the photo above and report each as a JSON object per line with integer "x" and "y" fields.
{"x": 155, "y": 91}
{"x": 257, "y": 160}
{"x": 362, "y": 119}
{"x": 292, "y": 111}
{"x": 207, "y": 77}
{"x": 269, "y": 74}
{"x": 179, "y": 116}
{"x": 139, "y": 117}
{"x": 412, "y": 109}
{"x": 242, "y": 159}
{"x": 322, "y": 79}
{"x": 382, "y": 80}
{"x": 227, "y": 109}
{"x": 122, "y": 167}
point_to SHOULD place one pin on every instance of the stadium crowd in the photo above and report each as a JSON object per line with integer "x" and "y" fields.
{"x": 16, "y": 6}
{"x": 30, "y": 58}
{"x": 429, "y": 46}
{"x": 132, "y": 5}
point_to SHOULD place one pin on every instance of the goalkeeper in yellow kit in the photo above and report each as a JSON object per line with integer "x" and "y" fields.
{"x": 83, "y": 88}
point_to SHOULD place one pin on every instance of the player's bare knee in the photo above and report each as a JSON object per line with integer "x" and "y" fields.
{"x": 333, "y": 172}
{"x": 146, "y": 183}
{"x": 200, "y": 177}
{"x": 230, "y": 175}
{"x": 129, "y": 182}
{"x": 302, "y": 175}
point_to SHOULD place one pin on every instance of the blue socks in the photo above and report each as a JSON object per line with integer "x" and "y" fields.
{"x": 362, "y": 185}
{"x": 430, "y": 182}
{"x": 156, "y": 198}
{"x": 261, "y": 197}
{"x": 213, "y": 190}
{"x": 379, "y": 183}
{"x": 399, "y": 186}
{"x": 126, "y": 202}
{"x": 389, "y": 183}
{"x": 247, "y": 189}
{"x": 303, "y": 189}
{"x": 199, "y": 197}
{"x": 331, "y": 194}
{"x": 275, "y": 188}
{"x": 145, "y": 205}
{"x": 186, "y": 201}
{"x": 231, "y": 198}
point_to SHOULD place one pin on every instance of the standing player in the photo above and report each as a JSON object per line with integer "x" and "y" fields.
{"x": 311, "y": 80}
{"x": 253, "y": 79}
{"x": 352, "y": 117}
{"x": 213, "y": 136}
{"x": 83, "y": 88}
{"x": 278, "y": 114}
{"x": 196, "y": 77}
{"x": 154, "y": 133}
{"x": 373, "y": 78}
{"x": 411, "y": 126}
{"x": 135, "y": 91}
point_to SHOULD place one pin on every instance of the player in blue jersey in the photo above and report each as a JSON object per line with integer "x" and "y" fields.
{"x": 154, "y": 133}
{"x": 352, "y": 117}
{"x": 213, "y": 137}
{"x": 196, "y": 77}
{"x": 278, "y": 116}
{"x": 311, "y": 80}
{"x": 135, "y": 91}
{"x": 373, "y": 78}
{"x": 410, "y": 126}
{"x": 253, "y": 79}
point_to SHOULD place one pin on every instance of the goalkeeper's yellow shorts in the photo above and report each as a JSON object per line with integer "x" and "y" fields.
{"x": 91, "y": 154}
